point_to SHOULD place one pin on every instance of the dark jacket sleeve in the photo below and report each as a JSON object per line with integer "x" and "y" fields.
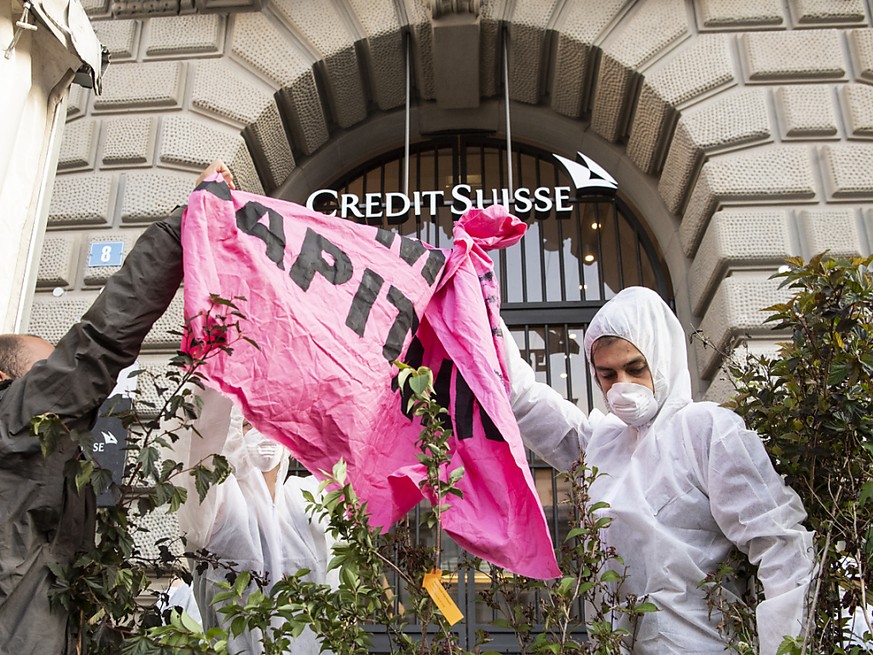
{"x": 81, "y": 372}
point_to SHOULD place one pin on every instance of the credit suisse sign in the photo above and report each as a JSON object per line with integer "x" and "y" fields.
{"x": 396, "y": 207}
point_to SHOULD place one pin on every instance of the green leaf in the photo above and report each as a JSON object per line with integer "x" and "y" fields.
{"x": 866, "y": 493}
{"x": 339, "y": 471}
{"x": 602, "y": 522}
{"x": 189, "y": 623}
{"x": 566, "y": 586}
{"x": 148, "y": 457}
{"x": 839, "y": 372}
{"x": 221, "y": 597}
{"x": 403, "y": 375}
{"x": 101, "y": 480}
{"x": 576, "y": 532}
{"x": 610, "y": 576}
{"x": 177, "y": 499}
{"x": 789, "y": 646}
{"x": 646, "y": 607}
{"x": 83, "y": 476}
{"x": 237, "y": 626}
{"x": 420, "y": 384}
{"x": 242, "y": 581}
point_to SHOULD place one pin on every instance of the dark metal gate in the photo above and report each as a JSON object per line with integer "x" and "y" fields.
{"x": 552, "y": 283}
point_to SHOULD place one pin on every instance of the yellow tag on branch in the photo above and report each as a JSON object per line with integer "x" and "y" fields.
{"x": 433, "y": 585}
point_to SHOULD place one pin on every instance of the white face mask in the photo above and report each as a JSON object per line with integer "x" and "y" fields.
{"x": 264, "y": 454}
{"x": 632, "y": 403}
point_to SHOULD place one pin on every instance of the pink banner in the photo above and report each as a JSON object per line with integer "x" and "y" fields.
{"x": 332, "y": 304}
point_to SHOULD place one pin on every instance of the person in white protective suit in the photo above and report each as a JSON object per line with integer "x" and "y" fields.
{"x": 256, "y": 518}
{"x": 685, "y": 481}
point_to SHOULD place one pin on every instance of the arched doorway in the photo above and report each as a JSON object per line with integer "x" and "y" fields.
{"x": 574, "y": 257}
{"x": 568, "y": 264}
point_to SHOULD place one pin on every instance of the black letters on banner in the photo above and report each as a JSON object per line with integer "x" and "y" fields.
{"x": 411, "y": 251}
{"x": 405, "y": 322}
{"x": 311, "y": 261}
{"x": 464, "y": 401}
{"x": 218, "y": 189}
{"x": 248, "y": 220}
{"x": 442, "y": 388}
{"x": 363, "y": 301}
{"x": 462, "y": 417}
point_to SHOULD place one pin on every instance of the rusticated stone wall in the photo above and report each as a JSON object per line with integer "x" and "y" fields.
{"x": 740, "y": 129}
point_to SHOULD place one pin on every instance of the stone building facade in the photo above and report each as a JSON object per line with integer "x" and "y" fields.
{"x": 738, "y": 130}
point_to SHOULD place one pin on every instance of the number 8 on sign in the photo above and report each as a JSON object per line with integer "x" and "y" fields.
{"x": 106, "y": 253}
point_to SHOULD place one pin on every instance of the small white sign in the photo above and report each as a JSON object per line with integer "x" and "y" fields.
{"x": 106, "y": 253}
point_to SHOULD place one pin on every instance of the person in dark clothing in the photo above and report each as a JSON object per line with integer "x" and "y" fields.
{"x": 42, "y": 518}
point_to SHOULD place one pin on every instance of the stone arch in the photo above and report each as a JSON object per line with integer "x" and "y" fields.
{"x": 741, "y": 130}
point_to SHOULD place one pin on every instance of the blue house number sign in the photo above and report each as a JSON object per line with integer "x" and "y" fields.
{"x": 106, "y": 253}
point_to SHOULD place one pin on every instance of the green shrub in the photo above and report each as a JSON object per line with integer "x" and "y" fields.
{"x": 812, "y": 403}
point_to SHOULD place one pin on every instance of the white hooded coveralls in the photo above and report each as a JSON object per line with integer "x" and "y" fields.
{"x": 238, "y": 521}
{"x": 683, "y": 489}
